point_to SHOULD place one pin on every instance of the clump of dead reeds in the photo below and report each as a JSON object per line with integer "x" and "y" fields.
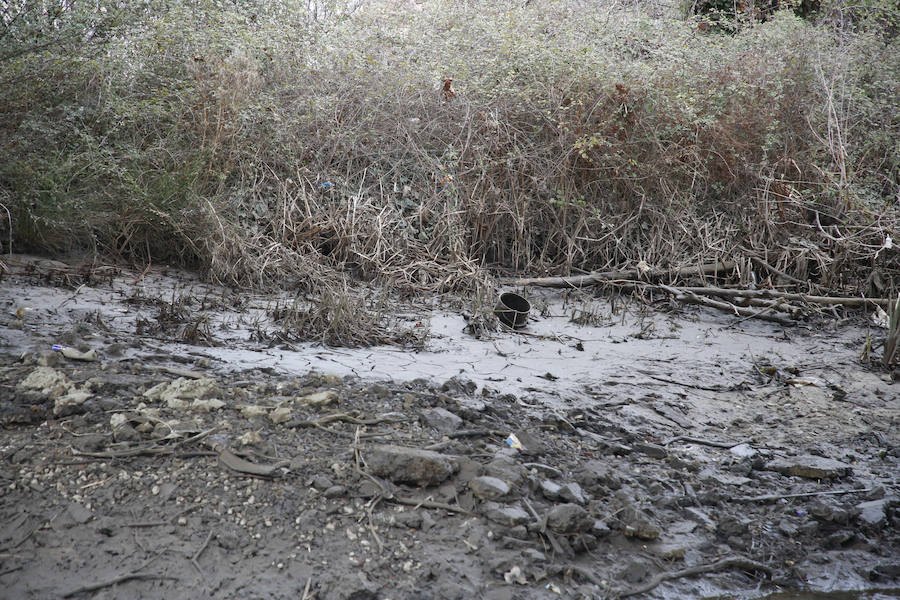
{"x": 339, "y": 316}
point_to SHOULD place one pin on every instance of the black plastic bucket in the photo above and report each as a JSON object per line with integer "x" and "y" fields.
{"x": 512, "y": 309}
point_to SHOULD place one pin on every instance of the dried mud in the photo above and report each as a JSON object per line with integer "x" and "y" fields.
{"x": 619, "y": 454}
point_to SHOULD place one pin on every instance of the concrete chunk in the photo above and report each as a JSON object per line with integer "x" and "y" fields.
{"x": 409, "y": 465}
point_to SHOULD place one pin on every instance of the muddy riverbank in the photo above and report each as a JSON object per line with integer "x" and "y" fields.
{"x": 172, "y": 446}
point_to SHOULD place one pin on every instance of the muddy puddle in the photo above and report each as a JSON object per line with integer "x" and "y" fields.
{"x": 604, "y": 451}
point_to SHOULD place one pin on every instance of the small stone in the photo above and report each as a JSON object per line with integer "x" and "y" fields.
{"x": 534, "y": 555}
{"x": 335, "y": 491}
{"x": 250, "y": 438}
{"x": 638, "y": 524}
{"x": 409, "y": 465}
{"x": 207, "y": 405}
{"x": 280, "y": 415}
{"x": 810, "y": 467}
{"x": 441, "y": 419}
{"x": 651, "y": 450}
{"x": 669, "y": 550}
{"x": 459, "y": 385}
{"x": 253, "y": 410}
{"x": 318, "y": 399}
{"x": 572, "y": 492}
{"x": 600, "y": 529}
{"x": 550, "y": 490}
{"x": 505, "y": 515}
{"x": 743, "y": 451}
{"x": 531, "y": 444}
{"x": 48, "y": 381}
{"x": 514, "y": 575}
{"x": 787, "y": 528}
{"x": 488, "y": 488}
{"x": 185, "y": 389}
{"x": 595, "y": 474}
{"x": 723, "y": 478}
{"x": 732, "y": 526}
{"x": 507, "y": 469}
{"x": 68, "y": 404}
{"x": 874, "y": 512}
{"x": 569, "y": 518}
{"x": 321, "y": 483}
{"x": 79, "y": 513}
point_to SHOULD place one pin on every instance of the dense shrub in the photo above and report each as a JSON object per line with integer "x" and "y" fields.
{"x": 580, "y": 135}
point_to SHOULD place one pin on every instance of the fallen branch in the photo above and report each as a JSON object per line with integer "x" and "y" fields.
{"x": 115, "y": 581}
{"x": 426, "y": 504}
{"x": 788, "y": 296}
{"x": 703, "y": 442}
{"x": 686, "y": 297}
{"x": 577, "y": 281}
{"x": 734, "y": 562}
{"x": 771, "y": 497}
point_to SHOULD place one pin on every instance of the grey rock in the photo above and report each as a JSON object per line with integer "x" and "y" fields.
{"x": 596, "y": 473}
{"x": 550, "y": 489}
{"x": 321, "y": 482}
{"x": 79, "y": 513}
{"x": 636, "y": 523}
{"x": 572, "y": 492}
{"x": 531, "y": 443}
{"x": 534, "y": 555}
{"x": 505, "y": 515}
{"x": 810, "y": 467}
{"x": 507, "y": 469}
{"x": 732, "y": 526}
{"x": 441, "y": 419}
{"x": 723, "y": 478}
{"x": 839, "y": 538}
{"x": 743, "y": 451}
{"x": 409, "y": 465}
{"x": 673, "y": 549}
{"x": 636, "y": 571}
{"x": 488, "y": 488}
{"x": 459, "y": 385}
{"x": 651, "y": 450}
{"x": 600, "y": 528}
{"x": 569, "y": 518}
{"x": 787, "y": 528}
{"x": 335, "y": 491}
{"x": 826, "y": 509}
{"x": 873, "y": 512}
{"x": 230, "y": 537}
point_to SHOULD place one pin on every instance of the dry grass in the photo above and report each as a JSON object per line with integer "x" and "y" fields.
{"x": 340, "y": 316}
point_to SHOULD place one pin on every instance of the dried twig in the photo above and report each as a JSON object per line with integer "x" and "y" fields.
{"x": 427, "y": 504}
{"x": 115, "y": 581}
{"x": 718, "y": 268}
{"x": 770, "y": 497}
{"x": 703, "y": 442}
{"x": 734, "y": 562}
{"x": 199, "y": 552}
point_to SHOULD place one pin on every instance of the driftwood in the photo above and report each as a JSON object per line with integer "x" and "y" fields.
{"x": 788, "y": 297}
{"x": 577, "y": 281}
{"x": 692, "y": 298}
